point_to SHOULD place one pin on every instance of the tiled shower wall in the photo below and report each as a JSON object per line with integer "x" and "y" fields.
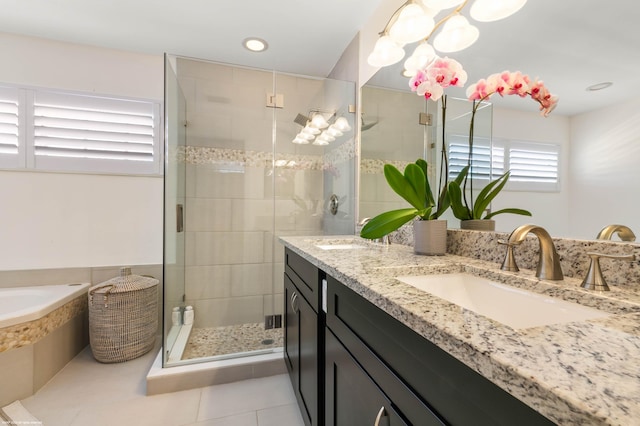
{"x": 396, "y": 138}
{"x": 237, "y": 203}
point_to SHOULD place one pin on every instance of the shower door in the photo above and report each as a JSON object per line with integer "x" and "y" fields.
{"x": 174, "y": 204}
{"x": 246, "y": 183}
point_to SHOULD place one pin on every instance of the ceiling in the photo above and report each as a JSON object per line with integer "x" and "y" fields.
{"x": 570, "y": 44}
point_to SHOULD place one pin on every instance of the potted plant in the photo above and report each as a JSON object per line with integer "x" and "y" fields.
{"x": 464, "y": 207}
{"x": 429, "y": 233}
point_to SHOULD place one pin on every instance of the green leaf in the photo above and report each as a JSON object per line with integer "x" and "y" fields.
{"x": 417, "y": 179}
{"x": 512, "y": 211}
{"x": 402, "y": 187}
{"x": 462, "y": 175}
{"x": 488, "y": 193}
{"x": 425, "y": 169}
{"x": 460, "y": 211}
{"x": 387, "y": 222}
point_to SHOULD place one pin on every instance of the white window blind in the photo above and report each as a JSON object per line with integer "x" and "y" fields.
{"x": 87, "y": 133}
{"x": 534, "y": 166}
{"x": 488, "y": 161}
{"x": 10, "y": 129}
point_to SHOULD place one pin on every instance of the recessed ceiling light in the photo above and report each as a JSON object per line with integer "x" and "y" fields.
{"x": 255, "y": 44}
{"x": 599, "y": 86}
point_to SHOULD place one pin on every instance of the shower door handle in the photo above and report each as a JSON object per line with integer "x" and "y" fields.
{"x": 179, "y": 218}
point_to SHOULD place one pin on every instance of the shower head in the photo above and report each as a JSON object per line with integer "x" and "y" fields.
{"x": 364, "y": 127}
{"x": 301, "y": 119}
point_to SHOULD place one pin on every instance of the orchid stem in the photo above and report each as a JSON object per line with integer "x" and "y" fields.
{"x": 444, "y": 165}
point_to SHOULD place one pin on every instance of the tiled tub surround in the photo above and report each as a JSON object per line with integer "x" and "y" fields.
{"x": 574, "y": 373}
{"x": 32, "y": 352}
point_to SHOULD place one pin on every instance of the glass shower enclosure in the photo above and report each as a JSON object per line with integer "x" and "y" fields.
{"x": 234, "y": 182}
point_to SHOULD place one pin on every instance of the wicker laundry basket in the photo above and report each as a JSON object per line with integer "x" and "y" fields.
{"x": 123, "y": 317}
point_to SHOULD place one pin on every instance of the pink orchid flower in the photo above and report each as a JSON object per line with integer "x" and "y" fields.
{"x": 513, "y": 83}
{"x": 430, "y": 90}
{"x": 441, "y": 73}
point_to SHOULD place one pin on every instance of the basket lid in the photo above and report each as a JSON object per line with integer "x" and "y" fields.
{"x": 123, "y": 283}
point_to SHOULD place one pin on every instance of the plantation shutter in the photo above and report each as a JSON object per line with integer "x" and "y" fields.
{"x": 86, "y": 133}
{"x": 488, "y": 162}
{"x": 534, "y": 163}
{"x": 10, "y": 129}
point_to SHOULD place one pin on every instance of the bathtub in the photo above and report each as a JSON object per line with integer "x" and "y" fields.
{"x": 41, "y": 329}
{"x": 23, "y": 304}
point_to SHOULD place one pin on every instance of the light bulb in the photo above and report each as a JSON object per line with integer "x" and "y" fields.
{"x": 421, "y": 58}
{"x": 342, "y": 124}
{"x": 305, "y": 136}
{"x": 310, "y": 130}
{"x": 494, "y": 10}
{"x": 326, "y": 137}
{"x": 457, "y": 34}
{"x": 332, "y": 131}
{"x": 413, "y": 24}
{"x": 319, "y": 122}
{"x": 320, "y": 141}
{"x": 386, "y": 52}
{"x": 300, "y": 141}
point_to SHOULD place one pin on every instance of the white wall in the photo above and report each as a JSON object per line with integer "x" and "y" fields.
{"x": 55, "y": 220}
{"x": 604, "y": 172}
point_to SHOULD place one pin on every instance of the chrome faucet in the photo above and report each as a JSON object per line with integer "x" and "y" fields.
{"x": 548, "y": 260}
{"x": 594, "y": 279}
{"x": 382, "y": 240}
{"x": 624, "y": 233}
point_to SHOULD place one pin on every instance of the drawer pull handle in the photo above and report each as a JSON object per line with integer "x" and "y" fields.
{"x": 294, "y": 298}
{"x": 382, "y": 414}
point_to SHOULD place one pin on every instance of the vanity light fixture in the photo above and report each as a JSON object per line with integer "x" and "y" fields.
{"x": 255, "y": 44}
{"x": 317, "y": 128}
{"x": 416, "y": 20}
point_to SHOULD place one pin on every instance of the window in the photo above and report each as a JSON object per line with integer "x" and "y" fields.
{"x": 534, "y": 166}
{"x": 10, "y": 147}
{"x": 50, "y": 130}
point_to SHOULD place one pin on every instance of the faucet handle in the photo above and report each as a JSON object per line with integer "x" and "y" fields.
{"x": 509, "y": 262}
{"x": 594, "y": 279}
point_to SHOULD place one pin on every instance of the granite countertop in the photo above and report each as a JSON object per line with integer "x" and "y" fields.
{"x": 573, "y": 373}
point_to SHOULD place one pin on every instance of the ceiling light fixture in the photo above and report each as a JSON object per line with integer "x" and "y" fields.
{"x": 415, "y": 20}
{"x": 599, "y": 86}
{"x": 255, "y": 44}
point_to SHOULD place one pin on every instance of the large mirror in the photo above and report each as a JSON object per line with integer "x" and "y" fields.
{"x": 571, "y": 45}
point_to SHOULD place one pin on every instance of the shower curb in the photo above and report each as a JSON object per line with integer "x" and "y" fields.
{"x": 184, "y": 377}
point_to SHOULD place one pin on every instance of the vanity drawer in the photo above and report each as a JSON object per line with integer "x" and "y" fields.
{"x": 305, "y": 276}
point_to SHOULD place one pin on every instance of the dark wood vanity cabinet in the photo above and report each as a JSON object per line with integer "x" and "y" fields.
{"x": 304, "y": 336}
{"x": 425, "y": 385}
{"x": 357, "y": 365}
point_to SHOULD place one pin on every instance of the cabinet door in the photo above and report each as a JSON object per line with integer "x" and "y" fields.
{"x": 352, "y": 398}
{"x": 291, "y": 333}
{"x": 301, "y": 347}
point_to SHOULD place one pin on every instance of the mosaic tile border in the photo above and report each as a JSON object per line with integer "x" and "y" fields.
{"x": 238, "y": 159}
{"x": 29, "y": 333}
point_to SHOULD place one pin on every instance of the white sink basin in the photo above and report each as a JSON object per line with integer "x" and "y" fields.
{"x": 339, "y": 246}
{"x": 516, "y": 308}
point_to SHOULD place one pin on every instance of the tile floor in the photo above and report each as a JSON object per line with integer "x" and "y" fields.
{"x": 87, "y": 393}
